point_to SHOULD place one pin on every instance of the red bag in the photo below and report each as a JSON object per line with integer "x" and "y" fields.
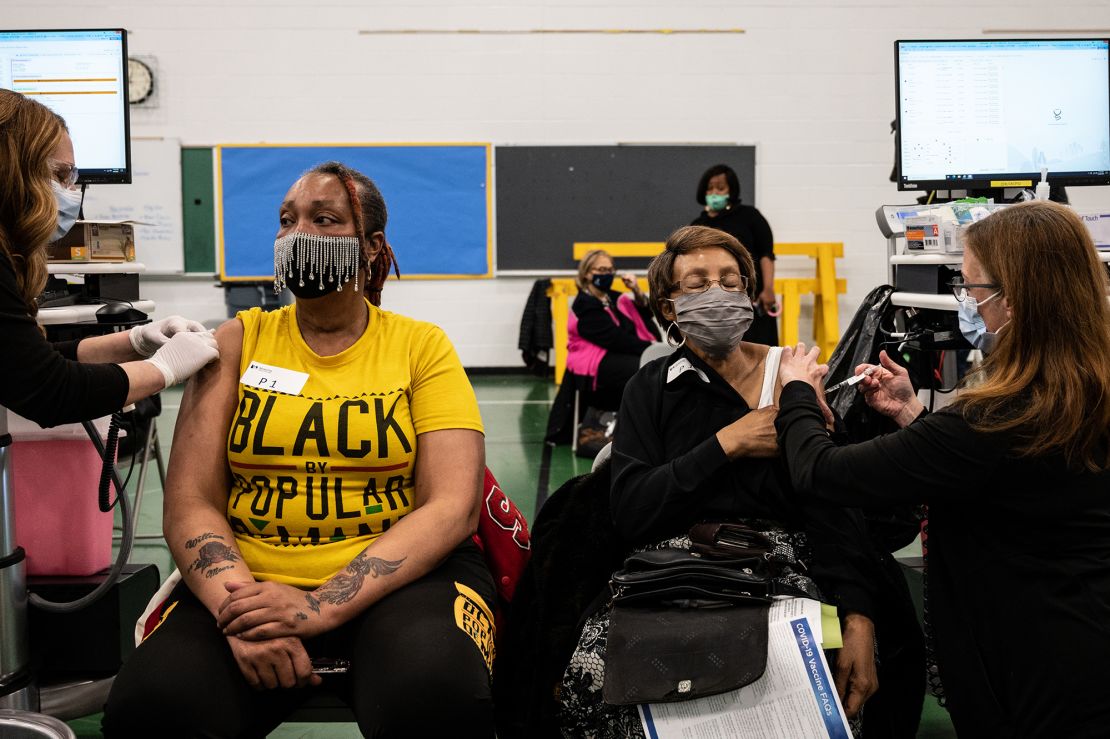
{"x": 504, "y": 540}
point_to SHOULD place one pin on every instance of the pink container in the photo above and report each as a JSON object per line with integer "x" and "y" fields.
{"x": 57, "y": 516}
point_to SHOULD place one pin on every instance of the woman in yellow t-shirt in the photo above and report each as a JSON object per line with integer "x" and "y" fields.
{"x": 322, "y": 493}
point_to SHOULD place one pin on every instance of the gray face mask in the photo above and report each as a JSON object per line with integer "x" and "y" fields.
{"x": 715, "y": 320}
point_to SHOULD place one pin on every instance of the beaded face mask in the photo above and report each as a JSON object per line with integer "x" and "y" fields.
{"x": 311, "y": 265}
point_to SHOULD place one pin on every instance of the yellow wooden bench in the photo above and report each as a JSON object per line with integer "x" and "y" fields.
{"x": 824, "y": 286}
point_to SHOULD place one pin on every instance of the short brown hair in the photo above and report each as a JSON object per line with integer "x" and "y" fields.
{"x": 1048, "y": 377}
{"x": 584, "y": 267}
{"x": 29, "y": 134}
{"x": 688, "y": 239}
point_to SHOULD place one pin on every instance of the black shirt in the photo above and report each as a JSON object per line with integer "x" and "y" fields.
{"x": 595, "y": 324}
{"x": 1019, "y": 562}
{"x": 749, "y": 227}
{"x": 669, "y": 472}
{"x": 44, "y": 382}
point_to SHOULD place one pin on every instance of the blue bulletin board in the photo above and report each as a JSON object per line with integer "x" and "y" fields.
{"x": 438, "y": 197}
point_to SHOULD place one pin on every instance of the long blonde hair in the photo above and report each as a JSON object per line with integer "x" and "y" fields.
{"x": 29, "y": 134}
{"x": 1048, "y": 377}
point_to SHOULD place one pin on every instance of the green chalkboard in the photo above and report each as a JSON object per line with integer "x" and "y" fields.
{"x": 198, "y": 208}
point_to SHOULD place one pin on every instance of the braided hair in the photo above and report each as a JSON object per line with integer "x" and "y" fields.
{"x": 368, "y": 207}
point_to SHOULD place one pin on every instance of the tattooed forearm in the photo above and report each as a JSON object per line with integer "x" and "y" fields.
{"x": 203, "y": 537}
{"x": 345, "y": 586}
{"x": 312, "y": 602}
{"x": 218, "y": 570}
{"x": 301, "y": 616}
{"x": 212, "y": 554}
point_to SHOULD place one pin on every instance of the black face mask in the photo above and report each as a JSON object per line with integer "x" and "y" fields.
{"x": 313, "y": 266}
{"x": 602, "y": 282}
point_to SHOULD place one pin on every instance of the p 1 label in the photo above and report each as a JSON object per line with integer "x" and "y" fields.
{"x": 279, "y": 379}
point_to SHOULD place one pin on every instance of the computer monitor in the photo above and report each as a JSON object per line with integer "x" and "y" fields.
{"x": 82, "y": 76}
{"x": 989, "y": 114}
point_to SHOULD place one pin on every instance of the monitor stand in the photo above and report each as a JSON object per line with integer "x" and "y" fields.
{"x": 15, "y": 677}
{"x": 1056, "y": 193}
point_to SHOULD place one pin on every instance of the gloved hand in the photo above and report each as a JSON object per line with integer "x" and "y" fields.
{"x": 149, "y": 337}
{"x": 184, "y": 355}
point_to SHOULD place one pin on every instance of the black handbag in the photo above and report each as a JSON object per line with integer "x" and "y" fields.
{"x": 683, "y": 626}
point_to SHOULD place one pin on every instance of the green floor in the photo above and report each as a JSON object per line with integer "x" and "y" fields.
{"x": 514, "y": 411}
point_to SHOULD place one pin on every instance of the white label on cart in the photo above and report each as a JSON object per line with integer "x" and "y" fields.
{"x": 269, "y": 377}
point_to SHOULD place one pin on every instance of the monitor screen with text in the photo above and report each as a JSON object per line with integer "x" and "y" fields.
{"x": 995, "y": 113}
{"x": 82, "y": 76}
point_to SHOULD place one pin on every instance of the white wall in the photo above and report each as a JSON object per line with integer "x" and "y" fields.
{"x": 809, "y": 83}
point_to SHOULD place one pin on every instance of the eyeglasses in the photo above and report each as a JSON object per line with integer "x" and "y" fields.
{"x": 66, "y": 174}
{"x": 731, "y": 282}
{"x": 960, "y": 288}
{"x": 602, "y": 271}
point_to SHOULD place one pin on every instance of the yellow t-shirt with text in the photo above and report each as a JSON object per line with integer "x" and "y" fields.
{"x": 319, "y": 475}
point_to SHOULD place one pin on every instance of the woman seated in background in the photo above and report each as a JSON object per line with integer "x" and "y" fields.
{"x": 322, "y": 493}
{"x": 695, "y": 442}
{"x": 607, "y": 331}
{"x": 719, "y": 195}
{"x": 1016, "y": 473}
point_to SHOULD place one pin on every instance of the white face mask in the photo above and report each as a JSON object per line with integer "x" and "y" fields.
{"x": 69, "y": 206}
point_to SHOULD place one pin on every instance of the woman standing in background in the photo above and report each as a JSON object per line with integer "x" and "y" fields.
{"x": 719, "y": 194}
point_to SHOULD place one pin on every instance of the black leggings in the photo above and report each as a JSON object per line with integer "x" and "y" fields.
{"x": 414, "y": 671}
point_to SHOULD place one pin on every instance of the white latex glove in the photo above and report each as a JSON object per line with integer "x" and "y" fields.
{"x": 184, "y": 354}
{"x": 149, "y": 337}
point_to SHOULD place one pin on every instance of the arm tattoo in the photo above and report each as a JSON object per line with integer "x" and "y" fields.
{"x": 301, "y": 616}
{"x": 312, "y": 602}
{"x": 210, "y": 555}
{"x": 218, "y": 570}
{"x": 203, "y": 537}
{"x": 345, "y": 585}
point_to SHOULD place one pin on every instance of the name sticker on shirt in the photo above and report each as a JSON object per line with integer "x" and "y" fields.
{"x": 681, "y": 366}
{"x": 269, "y": 377}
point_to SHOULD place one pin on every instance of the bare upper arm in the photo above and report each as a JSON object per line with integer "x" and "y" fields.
{"x": 449, "y": 465}
{"x": 198, "y": 460}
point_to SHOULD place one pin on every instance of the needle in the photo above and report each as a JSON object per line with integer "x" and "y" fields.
{"x": 851, "y": 380}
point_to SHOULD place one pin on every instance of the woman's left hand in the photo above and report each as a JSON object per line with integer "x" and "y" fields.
{"x": 265, "y": 610}
{"x": 857, "y": 677}
{"x": 630, "y": 282}
{"x": 798, "y": 364}
{"x": 149, "y": 337}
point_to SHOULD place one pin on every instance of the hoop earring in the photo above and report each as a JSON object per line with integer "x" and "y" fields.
{"x": 670, "y": 341}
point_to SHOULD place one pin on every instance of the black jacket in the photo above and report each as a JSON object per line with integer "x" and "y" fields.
{"x": 669, "y": 472}
{"x": 574, "y": 551}
{"x": 595, "y": 324}
{"x": 44, "y": 382}
{"x": 1019, "y": 562}
{"x": 535, "y": 340}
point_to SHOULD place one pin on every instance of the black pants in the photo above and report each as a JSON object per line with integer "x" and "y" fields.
{"x": 614, "y": 372}
{"x": 895, "y": 710}
{"x": 414, "y": 671}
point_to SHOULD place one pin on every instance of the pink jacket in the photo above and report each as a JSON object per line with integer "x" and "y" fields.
{"x": 584, "y": 357}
